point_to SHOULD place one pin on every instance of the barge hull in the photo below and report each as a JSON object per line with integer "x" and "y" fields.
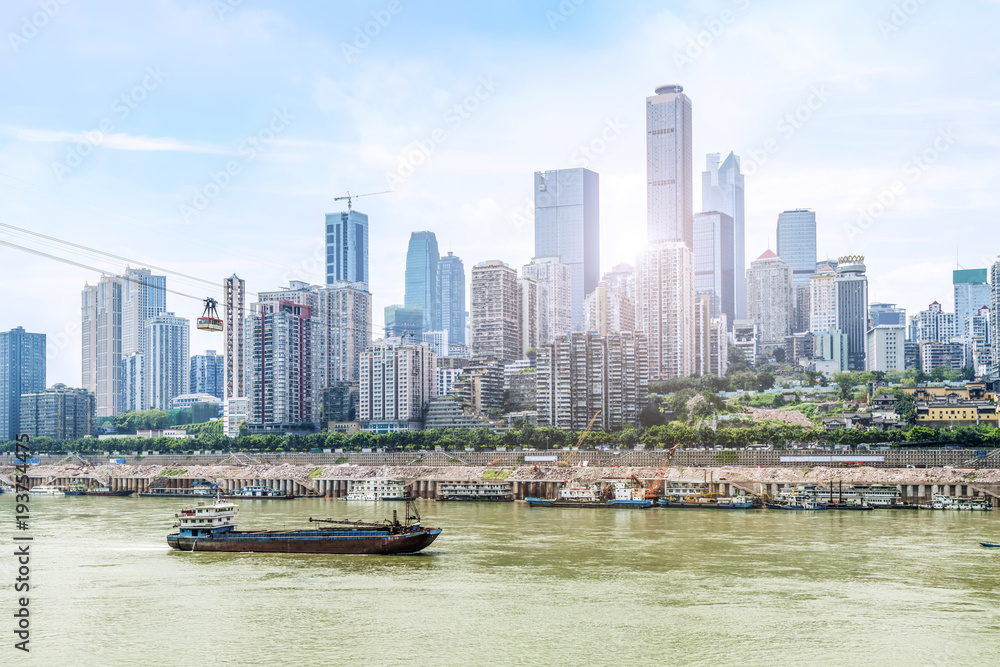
{"x": 318, "y": 542}
{"x": 611, "y": 504}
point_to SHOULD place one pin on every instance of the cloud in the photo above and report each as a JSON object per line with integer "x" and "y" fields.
{"x": 117, "y": 140}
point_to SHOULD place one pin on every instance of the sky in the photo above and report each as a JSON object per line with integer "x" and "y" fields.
{"x": 210, "y": 137}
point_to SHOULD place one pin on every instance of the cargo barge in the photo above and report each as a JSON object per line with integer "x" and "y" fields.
{"x": 199, "y": 489}
{"x": 617, "y": 495}
{"x": 213, "y": 528}
{"x": 493, "y": 492}
{"x": 725, "y": 503}
{"x": 257, "y": 492}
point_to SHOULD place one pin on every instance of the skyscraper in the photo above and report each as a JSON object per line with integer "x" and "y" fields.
{"x": 554, "y": 281}
{"x": 22, "y": 370}
{"x": 495, "y": 315}
{"x": 401, "y": 321}
{"x": 143, "y": 296}
{"x": 236, "y": 403}
{"x": 282, "y": 390}
{"x": 886, "y": 314}
{"x": 714, "y": 261}
{"x": 397, "y": 381}
{"x": 451, "y": 297}
{"x": 666, "y": 308}
{"x": 722, "y": 191}
{"x": 343, "y": 331}
{"x": 567, "y": 225}
{"x": 669, "y": 167}
{"x": 852, "y": 308}
{"x": 936, "y": 326}
{"x": 995, "y": 314}
{"x": 101, "y": 329}
{"x": 347, "y": 247}
{"x": 609, "y": 311}
{"x": 207, "y": 373}
{"x": 167, "y": 360}
{"x": 972, "y": 292}
{"x": 769, "y": 300}
{"x": 421, "y": 277}
{"x": 797, "y": 243}
{"x": 823, "y": 300}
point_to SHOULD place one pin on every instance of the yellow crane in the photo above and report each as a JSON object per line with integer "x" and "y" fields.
{"x": 569, "y": 457}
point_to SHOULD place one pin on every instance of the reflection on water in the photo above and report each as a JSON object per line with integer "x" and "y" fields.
{"x": 509, "y": 584}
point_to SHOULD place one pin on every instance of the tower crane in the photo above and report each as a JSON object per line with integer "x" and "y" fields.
{"x": 349, "y": 196}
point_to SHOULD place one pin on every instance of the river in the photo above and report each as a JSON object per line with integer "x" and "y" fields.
{"x": 506, "y": 584}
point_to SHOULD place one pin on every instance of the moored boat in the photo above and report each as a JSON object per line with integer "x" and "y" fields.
{"x": 257, "y": 492}
{"x": 497, "y": 492}
{"x": 618, "y": 495}
{"x": 105, "y": 491}
{"x": 375, "y": 488}
{"x": 721, "y": 503}
{"x": 200, "y": 489}
{"x": 46, "y": 490}
{"x": 212, "y": 527}
{"x": 991, "y": 545}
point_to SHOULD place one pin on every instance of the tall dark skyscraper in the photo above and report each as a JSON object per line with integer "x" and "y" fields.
{"x": 567, "y": 225}
{"x": 669, "y": 167}
{"x": 347, "y": 247}
{"x": 451, "y": 298}
{"x": 797, "y": 243}
{"x": 421, "y": 277}
{"x": 852, "y": 308}
{"x": 22, "y": 370}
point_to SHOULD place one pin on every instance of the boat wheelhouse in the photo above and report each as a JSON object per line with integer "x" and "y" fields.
{"x": 376, "y": 488}
{"x": 475, "y": 491}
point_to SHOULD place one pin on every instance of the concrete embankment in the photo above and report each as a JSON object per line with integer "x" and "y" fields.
{"x": 545, "y": 481}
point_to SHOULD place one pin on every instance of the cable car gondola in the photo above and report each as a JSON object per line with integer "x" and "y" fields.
{"x": 209, "y": 320}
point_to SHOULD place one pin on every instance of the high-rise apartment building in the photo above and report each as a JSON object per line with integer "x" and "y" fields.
{"x": 282, "y": 390}
{"x": 711, "y": 339}
{"x": 609, "y": 311}
{"x": 207, "y": 374}
{"x": 101, "y": 329}
{"x": 22, "y": 370}
{"x": 666, "y": 308}
{"x": 495, "y": 315}
{"x": 236, "y": 401}
{"x": 831, "y": 347}
{"x": 529, "y": 307}
{"x": 584, "y": 375}
{"x": 166, "y": 360}
{"x": 769, "y": 299}
{"x": 451, "y": 297}
{"x": 722, "y": 191}
{"x": 797, "y": 243}
{"x": 347, "y": 247}
{"x": 745, "y": 340}
{"x": 936, "y": 326}
{"x": 59, "y": 413}
{"x": 852, "y": 308}
{"x": 803, "y": 311}
{"x": 397, "y": 381}
{"x": 554, "y": 281}
{"x": 885, "y": 348}
{"x": 133, "y": 386}
{"x": 567, "y": 225}
{"x": 714, "y": 261}
{"x": 143, "y": 296}
{"x": 669, "y": 167}
{"x": 972, "y": 293}
{"x": 621, "y": 279}
{"x": 823, "y": 299}
{"x": 995, "y": 314}
{"x": 421, "y": 281}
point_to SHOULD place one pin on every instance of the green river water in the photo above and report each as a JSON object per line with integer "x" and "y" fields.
{"x": 506, "y": 584}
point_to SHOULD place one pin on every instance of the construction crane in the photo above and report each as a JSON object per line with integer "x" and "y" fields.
{"x": 653, "y": 491}
{"x": 566, "y": 461}
{"x": 349, "y": 196}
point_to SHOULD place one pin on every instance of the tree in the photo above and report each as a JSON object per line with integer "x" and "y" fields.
{"x": 765, "y": 381}
{"x": 968, "y": 373}
{"x": 846, "y": 382}
{"x": 919, "y": 433}
{"x": 651, "y": 416}
{"x": 906, "y": 406}
{"x": 779, "y": 355}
